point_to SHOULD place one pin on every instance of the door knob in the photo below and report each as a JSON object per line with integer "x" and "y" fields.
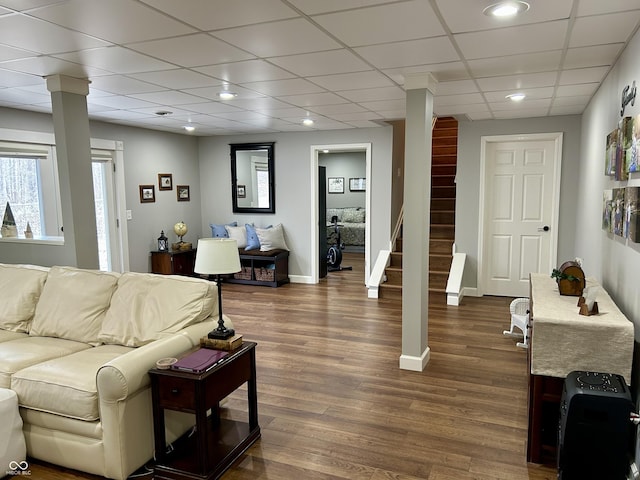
{"x": 546, "y": 228}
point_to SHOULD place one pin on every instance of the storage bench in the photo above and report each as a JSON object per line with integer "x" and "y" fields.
{"x": 269, "y": 268}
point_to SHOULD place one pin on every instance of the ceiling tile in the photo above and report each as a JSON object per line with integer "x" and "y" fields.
{"x": 341, "y": 109}
{"x": 309, "y": 99}
{"x": 394, "y": 105}
{"x": 462, "y": 99}
{"x": 443, "y": 72}
{"x": 583, "y": 75}
{"x": 210, "y": 107}
{"x": 383, "y": 23}
{"x": 573, "y": 100}
{"x": 414, "y": 52}
{"x": 578, "y": 89}
{"x": 512, "y": 41}
{"x": 352, "y": 81}
{"x": 118, "y": 21}
{"x": 319, "y": 63}
{"x": 289, "y": 112}
{"x": 531, "y": 93}
{"x": 14, "y": 79}
{"x": 116, "y": 60}
{"x": 525, "y": 105}
{"x": 15, "y": 95}
{"x": 467, "y": 16}
{"x": 511, "y": 82}
{"x": 38, "y": 36}
{"x": 213, "y": 92}
{"x": 263, "y": 105}
{"x": 178, "y": 79}
{"x": 247, "y": 71}
{"x": 10, "y": 53}
{"x": 22, "y": 5}
{"x": 311, "y": 7}
{"x": 277, "y": 88}
{"x": 121, "y": 102}
{"x": 122, "y": 85}
{"x": 512, "y": 64}
{"x": 286, "y": 37}
{"x": 598, "y": 7}
{"x": 168, "y": 97}
{"x": 595, "y": 56}
{"x": 604, "y": 29}
{"x": 208, "y": 15}
{"x": 507, "y": 114}
{"x": 373, "y": 94}
{"x": 567, "y": 110}
{"x": 43, "y": 66}
{"x": 191, "y": 50}
{"x": 456, "y": 87}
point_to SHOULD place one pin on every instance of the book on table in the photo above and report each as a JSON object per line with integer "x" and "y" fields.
{"x": 199, "y": 361}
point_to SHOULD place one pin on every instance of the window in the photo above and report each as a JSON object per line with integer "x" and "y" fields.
{"x": 28, "y": 182}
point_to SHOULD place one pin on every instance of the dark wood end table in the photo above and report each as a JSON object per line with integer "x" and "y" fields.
{"x": 217, "y": 442}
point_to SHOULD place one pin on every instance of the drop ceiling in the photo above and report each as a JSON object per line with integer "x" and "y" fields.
{"x": 341, "y": 63}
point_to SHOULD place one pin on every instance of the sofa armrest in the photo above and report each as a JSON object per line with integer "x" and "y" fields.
{"x": 128, "y": 373}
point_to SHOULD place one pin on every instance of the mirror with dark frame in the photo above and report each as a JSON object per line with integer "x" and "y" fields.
{"x": 252, "y": 177}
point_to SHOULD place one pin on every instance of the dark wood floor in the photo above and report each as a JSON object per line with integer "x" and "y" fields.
{"x": 333, "y": 403}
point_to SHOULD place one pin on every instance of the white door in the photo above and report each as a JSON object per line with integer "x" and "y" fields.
{"x": 107, "y": 222}
{"x": 521, "y": 192}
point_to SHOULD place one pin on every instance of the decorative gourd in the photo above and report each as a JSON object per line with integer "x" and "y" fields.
{"x": 570, "y": 279}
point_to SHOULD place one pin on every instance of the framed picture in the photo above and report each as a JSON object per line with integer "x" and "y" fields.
{"x": 357, "y": 184}
{"x": 241, "y": 191}
{"x": 165, "y": 181}
{"x": 182, "y": 191}
{"x": 147, "y": 193}
{"x": 336, "y": 184}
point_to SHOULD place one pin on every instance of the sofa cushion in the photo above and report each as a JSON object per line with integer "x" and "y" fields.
{"x": 65, "y": 386}
{"x": 146, "y": 306}
{"x": 73, "y": 304}
{"x": 24, "y": 352}
{"x": 272, "y": 238}
{"x": 21, "y": 286}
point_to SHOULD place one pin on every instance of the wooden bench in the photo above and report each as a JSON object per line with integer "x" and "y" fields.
{"x": 270, "y": 269}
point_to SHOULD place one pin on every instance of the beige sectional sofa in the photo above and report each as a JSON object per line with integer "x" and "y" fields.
{"x": 76, "y": 346}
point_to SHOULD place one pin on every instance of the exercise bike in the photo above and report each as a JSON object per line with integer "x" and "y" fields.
{"x": 334, "y": 254}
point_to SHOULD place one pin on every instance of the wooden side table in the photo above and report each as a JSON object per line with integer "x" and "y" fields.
{"x": 217, "y": 442}
{"x": 174, "y": 262}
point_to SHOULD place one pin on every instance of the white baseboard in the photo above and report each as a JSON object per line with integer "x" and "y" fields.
{"x": 416, "y": 364}
{"x": 471, "y": 292}
{"x": 301, "y": 279}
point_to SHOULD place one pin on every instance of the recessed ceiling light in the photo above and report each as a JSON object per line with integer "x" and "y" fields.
{"x": 189, "y": 128}
{"x": 227, "y": 95}
{"x": 506, "y": 9}
{"x": 307, "y": 122}
{"x": 516, "y": 97}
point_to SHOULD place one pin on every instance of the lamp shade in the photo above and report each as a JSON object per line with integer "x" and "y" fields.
{"x": 216, "y": 256}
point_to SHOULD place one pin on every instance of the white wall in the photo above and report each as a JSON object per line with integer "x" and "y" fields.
{"x": 293, "y": 184}
{"x": 346, "y": 165}
{"x": 468, "y": 183}
{"x": 611, "y": 259}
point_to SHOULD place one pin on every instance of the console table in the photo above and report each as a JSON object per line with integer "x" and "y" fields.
{"x": 562, "y": 341}
{"x": 217, "y": 442}
{"x": 173, "y": 262}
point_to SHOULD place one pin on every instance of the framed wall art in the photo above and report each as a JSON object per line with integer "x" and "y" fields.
{"x": 335, "y": 184}
{"x": 165, "y": 181}
{"x": 357, "y": 184}
{"x": 147, "y": 193}
{"x": 183, "y": 193}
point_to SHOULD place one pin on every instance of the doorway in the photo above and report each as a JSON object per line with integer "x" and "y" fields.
{"x": 519, "y": 203}
{"x": 316, "y": 150}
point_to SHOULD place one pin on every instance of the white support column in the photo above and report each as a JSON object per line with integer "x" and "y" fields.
{"x": 415, "y": 229}
{"x": 73, "y": 149}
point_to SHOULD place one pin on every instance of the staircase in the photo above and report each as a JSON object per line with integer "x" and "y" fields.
{"x": 443, "y": 203}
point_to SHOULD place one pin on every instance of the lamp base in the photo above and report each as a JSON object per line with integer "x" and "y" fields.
{"x": 221, "y": 333}
{"x": 221, "y": 344}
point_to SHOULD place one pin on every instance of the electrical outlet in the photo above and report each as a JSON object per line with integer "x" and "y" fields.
{"x": 129, "y": 217}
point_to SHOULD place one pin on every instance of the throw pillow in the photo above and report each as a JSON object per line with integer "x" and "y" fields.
{"x": 239, "y": 234}
{"x": 252, "y": 238}
{"x": 272, "y": 238}
{"x": 219, "y": 231}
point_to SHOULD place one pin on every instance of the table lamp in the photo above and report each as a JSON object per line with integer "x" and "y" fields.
{"x": 218, "y": 256}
